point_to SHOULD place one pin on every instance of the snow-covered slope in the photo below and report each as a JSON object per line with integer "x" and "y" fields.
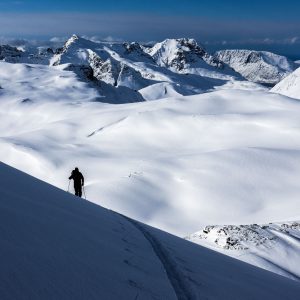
{"x": 165, "y": 162}
{"x": 57, "y": 246}
{"x": 274, "y": 247}
{"x": 257, "y": 66}
{"x": 289, "y": 86}
{"x": 38, "y": 83}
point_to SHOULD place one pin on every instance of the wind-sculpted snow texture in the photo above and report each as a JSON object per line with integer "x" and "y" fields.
{"x": 257, "y": 66}
{"x": 274, "y": 247}
{"x": 57, "y": 246}
{"x": 289, "y": 86}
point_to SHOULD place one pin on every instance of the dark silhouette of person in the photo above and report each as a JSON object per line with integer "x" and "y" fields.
{"x": 78, "y": 181}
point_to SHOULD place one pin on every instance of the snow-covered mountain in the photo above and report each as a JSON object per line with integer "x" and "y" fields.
{"x": 57, "y": 246}
{"x": 79, "y": 51}
{"x": 289, "y": 86}
{"x": 257, "y": 66}
{"x": 274, "y": 247}
{"x": 186, "y": 56}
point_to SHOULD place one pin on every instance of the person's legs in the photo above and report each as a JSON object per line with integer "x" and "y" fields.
{"x": 77, "y": 190}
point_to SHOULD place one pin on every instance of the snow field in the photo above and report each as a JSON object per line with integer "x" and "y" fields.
{"x": 227, "y": 157}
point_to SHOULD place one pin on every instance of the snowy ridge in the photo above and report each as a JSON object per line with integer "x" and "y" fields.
{"x": 274, "y": 247}
{"x": 257, "y": 66}
{"x": 58, "y": 246}
{"x": 289, "y": 86}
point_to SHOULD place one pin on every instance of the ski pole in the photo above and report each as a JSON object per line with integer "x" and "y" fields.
{"x": 84, "y": 193}
{"x": 69, "y": 185}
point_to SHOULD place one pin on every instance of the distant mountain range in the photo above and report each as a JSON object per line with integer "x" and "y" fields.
{"x": 137, "y": 72}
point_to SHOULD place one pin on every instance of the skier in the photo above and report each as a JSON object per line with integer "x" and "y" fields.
{"x": 78, "y": 181}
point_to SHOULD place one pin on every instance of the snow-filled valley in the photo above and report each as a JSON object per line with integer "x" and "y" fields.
{"x": 168, "y": 135}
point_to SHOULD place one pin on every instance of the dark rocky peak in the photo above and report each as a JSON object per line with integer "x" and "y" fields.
{"x": 253, "y": 57}
{"x": 8, "y": 52}
{"x": 133, "y": 47}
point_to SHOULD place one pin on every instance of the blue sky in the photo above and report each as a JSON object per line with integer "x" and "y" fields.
{"x": 263, "y": 24}
{"x": 268, "y": 9}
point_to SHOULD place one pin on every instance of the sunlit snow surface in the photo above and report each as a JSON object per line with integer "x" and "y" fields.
{"x": 289, "y": 86}
{"x": 227, "y": 157}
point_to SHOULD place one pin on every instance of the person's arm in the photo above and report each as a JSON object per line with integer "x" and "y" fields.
{"x": 82, "y": 179}
{"x": 71, "y": 177}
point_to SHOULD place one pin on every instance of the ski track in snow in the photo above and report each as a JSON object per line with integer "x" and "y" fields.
{"x": 176, "y": 278}
{"x": 106, "y": 126}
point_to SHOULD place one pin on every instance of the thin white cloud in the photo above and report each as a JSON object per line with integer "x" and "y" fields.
{"x": 295, "y": 40}
{"x": 58, "y": 39}
{"x": 263, "y": 41}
